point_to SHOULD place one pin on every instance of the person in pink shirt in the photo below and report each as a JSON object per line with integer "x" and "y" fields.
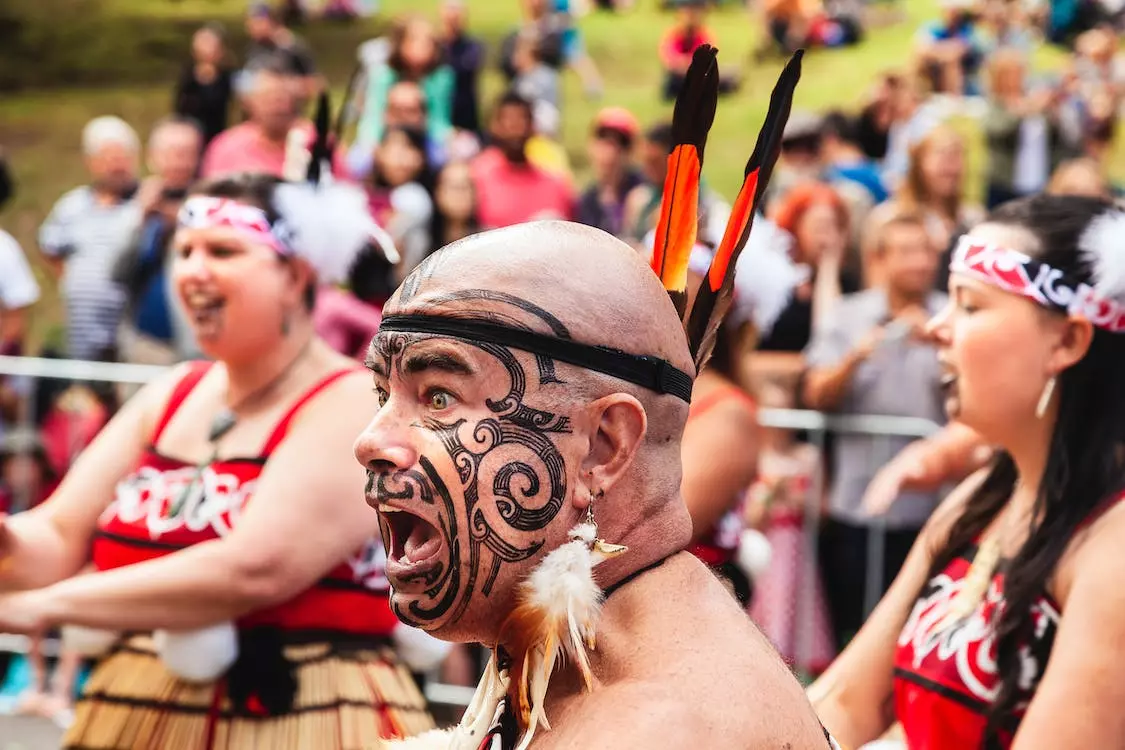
{"x": 509, "y": 188}
{"x": 260, "y": 143}
{"x": 680, "y": 42}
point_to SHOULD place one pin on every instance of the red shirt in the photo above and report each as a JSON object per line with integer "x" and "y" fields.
{"x": 351, "y": 600}
{"x": 510, "y": 193}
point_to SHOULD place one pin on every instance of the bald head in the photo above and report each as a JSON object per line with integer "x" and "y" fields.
{"x": 597, "y": 286}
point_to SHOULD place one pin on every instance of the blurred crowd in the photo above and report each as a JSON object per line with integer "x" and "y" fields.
{"x": 863, "y": 209}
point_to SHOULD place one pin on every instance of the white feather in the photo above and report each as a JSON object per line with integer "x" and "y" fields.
{"x": 329, "y": 225}
{"x": 764, "y": 276}
{"x": 418, "y": 649}
{"x": 754, "y": 553}
{"x": 1102, "y": 245}
{"x": 200, "y": 655}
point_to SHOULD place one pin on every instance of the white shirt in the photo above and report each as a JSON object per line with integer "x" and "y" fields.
{"x": 18, "y": 287}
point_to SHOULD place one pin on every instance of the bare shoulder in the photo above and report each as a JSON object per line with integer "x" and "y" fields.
{"x": 1094, "y": 555}
{"x": 653, "y": 714}
{"x": 349, "y": 398}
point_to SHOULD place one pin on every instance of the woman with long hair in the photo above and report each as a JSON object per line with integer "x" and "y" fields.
{"x": 1001, "y": 628}
{"x": 933, "y": 188}
{"x": 236, "y": 596}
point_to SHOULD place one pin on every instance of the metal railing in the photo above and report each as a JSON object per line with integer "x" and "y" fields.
{"x": 881, "y": 427}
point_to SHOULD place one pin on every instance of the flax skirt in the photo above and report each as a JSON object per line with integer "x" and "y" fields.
{"x": 344, "y": 701}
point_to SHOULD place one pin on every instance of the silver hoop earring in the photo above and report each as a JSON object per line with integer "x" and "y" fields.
{"x": 1045, "y": 398}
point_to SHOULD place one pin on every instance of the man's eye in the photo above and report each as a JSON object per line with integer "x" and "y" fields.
{"x": 439, "y": 400}
{"x": 383, "y": 396}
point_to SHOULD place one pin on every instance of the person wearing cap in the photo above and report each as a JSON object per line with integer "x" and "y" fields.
{"x": 610, "y": 148}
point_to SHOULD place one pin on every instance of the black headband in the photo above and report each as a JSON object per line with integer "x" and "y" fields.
{"x": 649, "y": 372}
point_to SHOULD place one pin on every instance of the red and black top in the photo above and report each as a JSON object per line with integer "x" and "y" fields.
{"x": 350, "y": 603}
{"x": 946, "y": 680}
{"x": 720, "y": 545}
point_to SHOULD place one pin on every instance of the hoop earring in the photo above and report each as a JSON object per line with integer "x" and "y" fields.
{"x": 1045, "y": 398}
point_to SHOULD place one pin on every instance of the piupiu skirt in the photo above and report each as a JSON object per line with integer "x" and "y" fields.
{"x": 332, "y": 698}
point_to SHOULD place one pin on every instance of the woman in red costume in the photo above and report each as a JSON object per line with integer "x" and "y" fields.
{"x": 236, "y": 581}
{"x": 1002, "y": 628}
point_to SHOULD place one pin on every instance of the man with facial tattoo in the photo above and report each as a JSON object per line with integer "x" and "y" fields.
{"x": 533, "y": 385}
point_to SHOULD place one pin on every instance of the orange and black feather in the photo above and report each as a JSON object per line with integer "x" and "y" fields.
{"x": 714, "y": 296}
{"x": 679, "y": 209}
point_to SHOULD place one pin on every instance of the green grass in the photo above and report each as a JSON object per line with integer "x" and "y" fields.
{"x": 40, "y": 129}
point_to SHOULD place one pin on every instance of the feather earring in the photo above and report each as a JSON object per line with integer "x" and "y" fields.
{"x": 556, "y": 619}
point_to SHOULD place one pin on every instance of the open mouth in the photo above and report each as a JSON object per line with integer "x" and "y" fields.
{"x": 413, "y": 547}
{"x": 205, "y": 311}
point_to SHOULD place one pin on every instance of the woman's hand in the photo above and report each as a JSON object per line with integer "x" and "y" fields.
{"x": 24, "y": 612}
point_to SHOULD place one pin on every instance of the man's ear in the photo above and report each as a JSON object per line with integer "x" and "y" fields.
{"x": 618, "y": 425}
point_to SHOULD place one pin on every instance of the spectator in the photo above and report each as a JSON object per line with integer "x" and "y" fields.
{"x": 204, "y": 90}
{"x": 642, "y": 205}
{"x": 560, "y": 44}
{"x": 86, "y": 232}
{"x": 466, "y": 55}
{"x": 1080, "y": 177}
{"x": 602, "y": 205}
{"x": 913, "y": 115}
{"x": 399, "y": 196}
{"x": 260, "y": 143}
{"x": 844, "y": 158}
{"x": 679, "y": 44}
{"x": 347, "y": 320}
{"x": 455, "y": 205}
{"x": 26, "y": 476}
{"x": 536, "y": 82}
{"x": 1022, "y": 129}
{"x": 509, "y": 188}
{"x": 950, "y": 51}
{"x": 933, "y": 189}
{"x": 817, "y": 218}
{"x": 270, "y": 40}
{"x": 872, "y": 356}
{"x": 156, "y": 330}
{"x": 415, "y": 55}
{"x": 18, "y": 292}
{"x": 790, "y": 22}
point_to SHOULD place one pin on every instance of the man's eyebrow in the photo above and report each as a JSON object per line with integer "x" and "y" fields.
{"x": 444, "y": 361}
{"x": 374, "y": 365}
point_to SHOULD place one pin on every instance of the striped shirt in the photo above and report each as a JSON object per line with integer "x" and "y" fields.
{"x": 90, "y": 236}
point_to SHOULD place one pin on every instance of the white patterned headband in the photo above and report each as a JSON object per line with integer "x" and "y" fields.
{"x": 1018, "y": 273}
{"x": 326, "y": 225}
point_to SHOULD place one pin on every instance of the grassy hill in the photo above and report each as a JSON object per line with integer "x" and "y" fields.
{"x": 125, "y": 53}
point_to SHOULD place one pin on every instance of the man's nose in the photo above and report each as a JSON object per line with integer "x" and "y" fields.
{"x": 385, "y": 444}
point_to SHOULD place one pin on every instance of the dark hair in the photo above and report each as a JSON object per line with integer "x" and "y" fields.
{"x": 417, "y": 139}
{"x": 1084, "y": 465}
{"x": 512, "y": 99}
{"x": 838, "y": 125}
{"x": 397, "y": 37}
{"x": 7, "y": 184}
{"x": 660, "y": 134}
{"x": 255, "y": 189}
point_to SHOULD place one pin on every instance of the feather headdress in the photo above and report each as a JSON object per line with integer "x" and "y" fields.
{"x": 328, "y": 221}
{"x": 676, "y": 230}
